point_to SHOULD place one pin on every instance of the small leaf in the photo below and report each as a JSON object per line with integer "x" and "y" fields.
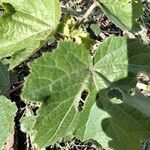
{"x": 27, "y": 123}
{"x": 7, "y": 115}
{"x": 25, "y": 26}
{"x": 96, "y": 29}
{"x": 124, "y": 13}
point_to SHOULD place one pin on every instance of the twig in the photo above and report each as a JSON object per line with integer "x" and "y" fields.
{"x": 15, "y": 89}
{"x": 89, "y": 11}
{"x": 111, "y": 32}
{"x": 18, "y": 82}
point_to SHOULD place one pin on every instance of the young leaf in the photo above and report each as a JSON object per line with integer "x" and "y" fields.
{"x": 7, "y": 115}
{"x": 25, "y": 25}
{"x": 58, "y": 80}
{"x": 95, "y": 29}
{"x": 124, "y": 13}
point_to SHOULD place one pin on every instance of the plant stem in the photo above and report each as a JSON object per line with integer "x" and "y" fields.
{"x": 89, "y": 11}
{"x": 15, "y": 89}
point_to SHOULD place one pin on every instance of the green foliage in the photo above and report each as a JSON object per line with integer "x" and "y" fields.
{"x": 4, "y": 78}
{"x": 7, "y": 78}
{"x": 124, "y": 13}
{"x": 70, "y": 32}
{"x": 96, "y": 29}
{"x": 7, "y": 115}
{"x": 57, "y": 80}
{"x": 25, "y": 26}
{"x": 116, "y": 125}
{"x": 7, "y": 109}
{"x": 82, "y": 93}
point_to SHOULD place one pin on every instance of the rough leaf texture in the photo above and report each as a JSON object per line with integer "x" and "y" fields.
{"x": 7, "y": 115}
{"x": 58, "y": 79}
{"x": 124, "y": 13}
{"x": 25, "y": 25}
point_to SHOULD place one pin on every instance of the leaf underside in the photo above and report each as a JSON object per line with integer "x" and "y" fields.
{"x": 58, "y": 80}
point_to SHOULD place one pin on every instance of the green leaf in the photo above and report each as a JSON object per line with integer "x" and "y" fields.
{"x": 59, "y": 80}
{"x": 4, "y": 78}
{"x": 8, "y": 111}
{"x": 95, "y": 29}
{"x": 116, "y": 125}
{"x": 124, "y": 13}
{"x": 134, "y": 97}
{"x": 111, "y": 62}
{"x": 25, "y": 26}
{"x": 13, "y": 77}
{"x": 27, "y": 123}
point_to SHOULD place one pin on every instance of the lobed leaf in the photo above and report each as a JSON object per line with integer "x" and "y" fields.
{"x": 58, "y": 80}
